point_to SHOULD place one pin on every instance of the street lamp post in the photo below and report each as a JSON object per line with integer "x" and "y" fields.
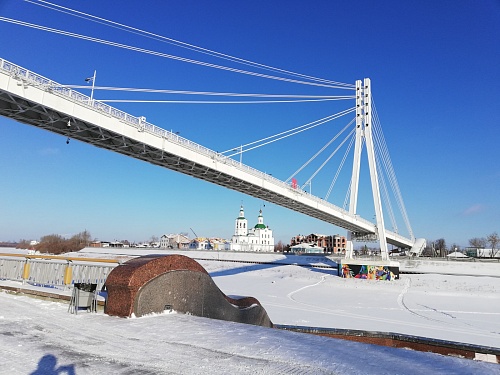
{"x": 93, "y": 83}
{"x": 92, "y": 91}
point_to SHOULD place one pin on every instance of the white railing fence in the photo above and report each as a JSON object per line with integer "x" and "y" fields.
{"x": 53, "y": 271}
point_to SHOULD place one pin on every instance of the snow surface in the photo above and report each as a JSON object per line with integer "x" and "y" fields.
{"x": 450, "y": 307}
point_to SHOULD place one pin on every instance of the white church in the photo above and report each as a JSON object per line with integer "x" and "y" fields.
{"x": 258, "y": 238}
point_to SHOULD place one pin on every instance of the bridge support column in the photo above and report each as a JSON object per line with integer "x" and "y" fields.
{"x": 358, "y": 145}
{"x": 364, "y": 132}
{"x": 373, "y": 169}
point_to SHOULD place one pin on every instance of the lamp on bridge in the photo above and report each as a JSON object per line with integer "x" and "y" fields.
{"x": 91, "y": 79}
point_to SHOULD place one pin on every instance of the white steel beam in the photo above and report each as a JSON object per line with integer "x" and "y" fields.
{"x": 373, "y": 169}
{"x": 364, "y": 131}
{"x": 358, "y": 146}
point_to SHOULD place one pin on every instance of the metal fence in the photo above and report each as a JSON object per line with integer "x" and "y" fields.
{"x": 90, "y": 273}
{"x": 45, "y": 272}
{"x": 12, "y": 268}
{"x": 53, "y": 271}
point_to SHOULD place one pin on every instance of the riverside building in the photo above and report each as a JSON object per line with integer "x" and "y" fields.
{"x": 257, "y": 238}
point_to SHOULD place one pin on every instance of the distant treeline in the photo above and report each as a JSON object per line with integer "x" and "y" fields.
{"x": 56, "y": 244}
{"x": 8, "y": 244}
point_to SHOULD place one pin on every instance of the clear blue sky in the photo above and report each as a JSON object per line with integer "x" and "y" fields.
{"x": 434, "y": 67}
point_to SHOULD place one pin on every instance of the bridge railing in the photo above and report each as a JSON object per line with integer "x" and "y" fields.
{"x": 398, "y": 237}
{"x": 54, "y": 271}
{"x": 140, "y": 123}
{"x": 45, "y": 272}
{"x": 12, "y": 268}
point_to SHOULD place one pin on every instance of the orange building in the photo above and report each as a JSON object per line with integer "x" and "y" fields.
{"x": 334, "y": 244}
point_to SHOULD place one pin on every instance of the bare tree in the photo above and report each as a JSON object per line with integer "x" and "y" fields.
{"x": 429, "y": 250}
{"x": 82, "y": 239}
{"x": 440, "y": 245}
{"x": 52, "y": 243}
{"x": 479, "y": 243}
{"x": 56, "y": 244}
{"x": 493, "y": 240}
{"x": 23, "y": 244}
{"x": 86, "y": 237}
{"x": 278, "y": 247}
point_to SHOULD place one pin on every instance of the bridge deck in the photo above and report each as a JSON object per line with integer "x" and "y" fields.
{"x": 35, "y": 100}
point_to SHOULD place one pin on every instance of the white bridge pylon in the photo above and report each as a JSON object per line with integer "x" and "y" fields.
{"x": 364, "y": 131}
{"x": 30, "y": 98}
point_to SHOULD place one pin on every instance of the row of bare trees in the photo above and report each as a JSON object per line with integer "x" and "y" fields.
{"x": 481, "y": 243}
{"x": 439, "y": 247}
{"x": 56, "y": 244}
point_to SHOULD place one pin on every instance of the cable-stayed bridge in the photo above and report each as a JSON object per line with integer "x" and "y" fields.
{"x": 30, "y": 98}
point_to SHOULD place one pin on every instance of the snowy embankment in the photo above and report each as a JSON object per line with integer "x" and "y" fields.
{"x": 470, "y": 267}
{"x": 13, "y": 250}
{"x": 37, "y": 333}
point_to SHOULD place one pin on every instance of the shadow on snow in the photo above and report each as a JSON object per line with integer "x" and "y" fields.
{"x": 290, "y": 260}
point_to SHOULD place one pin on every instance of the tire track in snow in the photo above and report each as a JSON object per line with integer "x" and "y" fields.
{"x": 455, "y": 324}
{"x": 290, "y": 295}
{"x": 323, "y": 310}
{"x": 402, "y": 304}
